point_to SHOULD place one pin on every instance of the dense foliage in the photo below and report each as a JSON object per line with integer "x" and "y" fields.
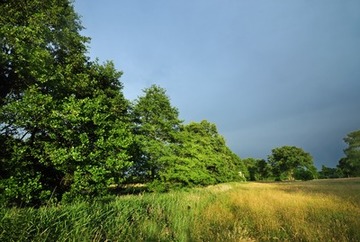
{"x": 258, "y": 169}
{"x": 63, "y": 118}
{"x": 155, "y": 124}
{"x": 284, "y": 163}
{"x": 170, "y": 154}
{"x": 350, "y": 164}
{"x": 200, "y": 157}
{"x": 66, "y": 129}
{"x": 290, "y": 162}
{"x": 329, "y": 172}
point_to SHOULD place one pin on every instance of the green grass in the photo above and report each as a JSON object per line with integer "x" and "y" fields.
{"x": 320, "y": 210}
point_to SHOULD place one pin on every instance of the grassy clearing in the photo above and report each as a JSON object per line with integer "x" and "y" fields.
{"x": 322, "y": 210}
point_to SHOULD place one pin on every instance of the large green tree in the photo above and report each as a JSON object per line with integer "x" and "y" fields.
{"x": 63, "y": 118}
{"x": 40, "y": 45}
{"x": 350, "y": 164}
{"x": 155, "y": 124}
{"x": 168, "y": 154}
{"x": 200, "y": 157}
{"x": 291, "y": 162}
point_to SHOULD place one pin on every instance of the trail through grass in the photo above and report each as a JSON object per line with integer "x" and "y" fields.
{"x": 321, "y": 210}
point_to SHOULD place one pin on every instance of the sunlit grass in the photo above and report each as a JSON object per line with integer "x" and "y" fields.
{"x": 296, "y": 213}
{"x": 324, "y": 210}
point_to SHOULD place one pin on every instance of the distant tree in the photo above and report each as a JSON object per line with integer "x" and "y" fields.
{"x": 258, "y": 169}
{"x": 350, "y": 164}
{"x": 290, "y": 162}
{"x": 304, "y": 173}
{"x": 328, "y": 172}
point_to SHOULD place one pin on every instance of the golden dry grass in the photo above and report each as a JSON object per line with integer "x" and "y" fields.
{"x": 323, "y": 210}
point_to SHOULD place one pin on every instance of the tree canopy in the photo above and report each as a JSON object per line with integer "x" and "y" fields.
{"x": 350, "y": 164}
{"x": 155, "y": 123}
{"x": 168, "y": 153}
{"x": 63, "y": 117}
{"x": 291, "y": 162}
{"x": 200, "y": 157}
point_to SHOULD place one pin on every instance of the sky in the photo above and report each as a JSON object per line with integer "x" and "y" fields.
{"x": 268, "y": 73}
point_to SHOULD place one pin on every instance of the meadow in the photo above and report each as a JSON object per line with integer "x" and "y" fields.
{"x": 318, "y": 210}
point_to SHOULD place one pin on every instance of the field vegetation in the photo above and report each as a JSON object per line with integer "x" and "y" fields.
{"x": 73, "y": 146}
{"x": 318, "y": 210}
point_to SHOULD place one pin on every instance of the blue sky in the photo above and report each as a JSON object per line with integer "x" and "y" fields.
{"x": 268, "y": 73}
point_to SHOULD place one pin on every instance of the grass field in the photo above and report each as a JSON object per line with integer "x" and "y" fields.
{"x": 319, "y": 210}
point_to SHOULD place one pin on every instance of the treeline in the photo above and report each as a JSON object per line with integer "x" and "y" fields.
{"x": 284, "y": 163}
{"x": 292, "y": 163}
{"x": 66, "y": 129}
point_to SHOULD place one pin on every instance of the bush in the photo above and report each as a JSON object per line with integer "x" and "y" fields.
{"x": 303, "y": 174}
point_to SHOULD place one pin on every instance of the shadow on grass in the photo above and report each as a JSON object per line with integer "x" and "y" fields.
{"x": 129, "y": 189}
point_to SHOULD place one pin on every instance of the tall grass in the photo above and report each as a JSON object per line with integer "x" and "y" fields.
{"x": 327, "y": 210}
{"x": 291, "y": 212}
